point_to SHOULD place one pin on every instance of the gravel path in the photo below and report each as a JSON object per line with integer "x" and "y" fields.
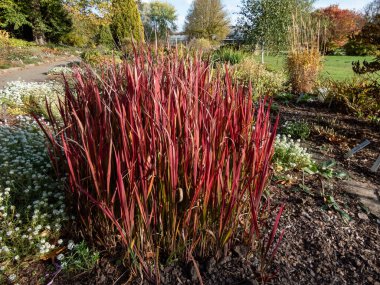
{"x": 35, "y": 73}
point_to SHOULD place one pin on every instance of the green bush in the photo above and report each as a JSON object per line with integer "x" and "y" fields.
{"x": 228, "y": 55}
{"x": 359, "y": 95}
{"x": 339, "y": 52}
{"x": 264, "y": 82}
{"x": 298, "y": 129}
{"x": 20, "y": 43}
{"x": 104, "y": 38}
{"x": 96, "y": 57}
{"x": 358, "y": 48}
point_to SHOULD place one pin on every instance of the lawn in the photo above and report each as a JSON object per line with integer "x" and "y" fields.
{"x": 337, "y": 67}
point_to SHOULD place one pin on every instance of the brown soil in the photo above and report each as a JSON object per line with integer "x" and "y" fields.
{"x": 320, "y": 247}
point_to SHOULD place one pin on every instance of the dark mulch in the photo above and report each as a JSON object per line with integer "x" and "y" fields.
{"x": 334, "y": 134}
{"x": 320, "y": 247}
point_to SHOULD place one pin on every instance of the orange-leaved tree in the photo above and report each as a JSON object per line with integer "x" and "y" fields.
{"x": 340, "y": 25}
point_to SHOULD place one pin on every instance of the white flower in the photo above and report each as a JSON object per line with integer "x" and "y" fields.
{"x": 60, "y": 256}
{"x": 12, "y": 277}
{"x": 70, "y": 245}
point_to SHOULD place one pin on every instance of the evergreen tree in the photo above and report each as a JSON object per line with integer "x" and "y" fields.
{"x": 126, "y": 24}
{"x": 105, "y": 36}
{"x": 207, "y": 19}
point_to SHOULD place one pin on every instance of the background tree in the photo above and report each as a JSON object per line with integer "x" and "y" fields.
{"x": 12, "y": 16}
{"x": 266, "y": 23}
{"x": 207, "y": 19}
{"x": 372, "y": 10}
{"x": 370, "y": 34}
{"x": 126, "y": 24}
{"x": 159, "y": 20}
{"x": 39, "y": 20}
{"x": 91, "y": 20}
{"x": 340, "y": 25}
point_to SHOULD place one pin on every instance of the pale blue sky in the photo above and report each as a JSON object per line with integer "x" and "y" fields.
{"x": 232, "y": 6}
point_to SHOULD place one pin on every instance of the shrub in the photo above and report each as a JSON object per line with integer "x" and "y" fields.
{"x": 4, "y": 38}
{"x": 359, "y": 95}
{"x": 338, "y": 52}
{"x": 203, "y": 45}
{"x": 263, "y": 82}
{"x": 298, "y": 129}
{"x": 358, "y": 48}
{"x": 97, "y": 57}
{"x": 32, "y": 208}
{"x": 228, "y": 55}
{"x": 289, "y": 155}
{"x": 163, "y": 158}
{"x": 76, "y": 39}
{"x": 104, "y": 37}
{"x": 30, "y": 97}
{"x": 20, "y": 43}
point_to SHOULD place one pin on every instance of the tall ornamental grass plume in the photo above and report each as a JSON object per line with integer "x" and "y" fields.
{"x": 167, "y": 160}
{"x": 304, "y": 60}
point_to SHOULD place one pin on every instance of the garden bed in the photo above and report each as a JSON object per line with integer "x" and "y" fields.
{"x": 331, "y": 237}
{"x": 320, "y": 247}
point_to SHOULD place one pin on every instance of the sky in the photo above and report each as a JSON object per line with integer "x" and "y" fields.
{"x": 232, "y": 7}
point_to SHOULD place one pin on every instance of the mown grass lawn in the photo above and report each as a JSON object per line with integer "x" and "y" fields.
{"x": 335, "y": 67}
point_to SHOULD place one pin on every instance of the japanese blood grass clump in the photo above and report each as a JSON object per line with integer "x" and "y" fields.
{"x": 167, "y": 159}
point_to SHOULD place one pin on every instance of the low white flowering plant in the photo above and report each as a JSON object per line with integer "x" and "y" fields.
{"x": 290, "y": 155}
{"x": 59, "y": 70}
{"x": 30, "y": 97}
{"x": 32, "y": 208}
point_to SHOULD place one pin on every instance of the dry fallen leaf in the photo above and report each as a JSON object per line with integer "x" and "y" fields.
{"x": 53, "y": 253}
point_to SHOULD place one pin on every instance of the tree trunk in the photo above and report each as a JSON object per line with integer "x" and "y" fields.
{"x": 37, "y": 23}
{"x": 39, "y": 38}
{"x": 262, "y": 53}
